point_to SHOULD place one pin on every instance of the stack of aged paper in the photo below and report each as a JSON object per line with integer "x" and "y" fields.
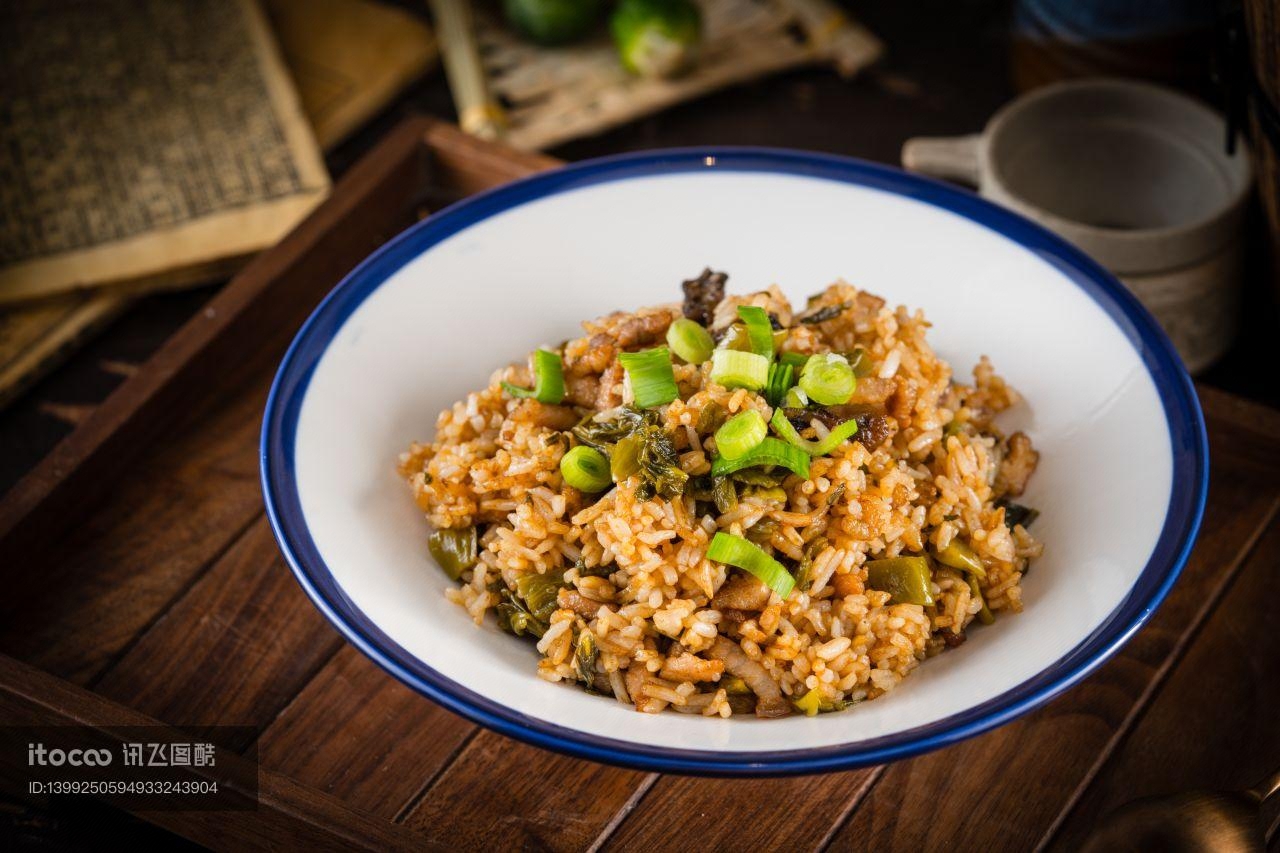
{"x": 153, "y": 144}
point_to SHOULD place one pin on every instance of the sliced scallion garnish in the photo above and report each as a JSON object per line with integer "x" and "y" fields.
{"x": 690, "y": 341}
{"x": 548, "y": 379}
{"x": 838, "y": 435}
{"x": 740, "y": 433}
{"x": 795, "y": 359}
{"x": 652, "y": 381}
{"x": 828, "y": 379}
{"x": 586, "y": 469}
{"x": 781, "y": 378}
{"x": 735, "y": 369}
{"x": 736, "y": 551}
{"x": 759, "y": 329}
{"x": 770, "y": 451}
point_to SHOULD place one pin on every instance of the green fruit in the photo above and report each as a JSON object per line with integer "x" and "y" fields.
{"x": 656, "y": 38}
{"x": 552, "y": 22}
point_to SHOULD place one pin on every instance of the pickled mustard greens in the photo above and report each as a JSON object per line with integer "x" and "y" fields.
{"x": 908, "y": 580}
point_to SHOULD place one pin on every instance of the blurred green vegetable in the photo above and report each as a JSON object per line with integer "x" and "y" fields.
{"x": 454, "y": 549}
{"x": 552, "y": 22}
{"x": 656, "y": 38}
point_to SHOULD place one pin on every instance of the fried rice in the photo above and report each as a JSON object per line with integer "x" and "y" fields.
{"x": 615, "y": 588}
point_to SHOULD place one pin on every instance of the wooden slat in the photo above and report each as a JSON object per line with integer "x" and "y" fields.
{"x": 113, "y": 571}
{"x": 1213, "y": 726}
{"x": 776, "y": 814}
{"x": 357, "y": 733}
{"x": 503, "y": 793}
{"x": 289, "y": 816}
{"x": 234, "y": 650}
{"x": 243, "y": 329}
{"x": 966, "y": 787}
{"x": 473, "y": 165}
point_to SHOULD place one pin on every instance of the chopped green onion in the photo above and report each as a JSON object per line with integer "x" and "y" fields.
{"x": 768, "y": 452}
{"x": 759, "y": 329}
{"x": 781, "y": 378}
{"x": 795, "y": 359}
{"x": 958, "y": 555}
{"x": 838, "y": 435}
{"x": 735, "y": 369}
{"x": 652, "y": 381}
{"x": 736, "y": 551}
{"x": 795, "y": 398}
{"x": 586, "y": 468}
{"x": 828, "y": 379}
{"x": 740, "y": 433}
{"x": 454, "y": 548}
{"x": 548, "y": 379}
{"x": 690, "y": 341}
{"x": 860, "y": 361}
{"x": 906, "y": 579}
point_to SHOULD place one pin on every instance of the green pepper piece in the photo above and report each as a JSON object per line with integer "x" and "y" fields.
{"x": 960, "y": 556}
{"x": 906, "y": 579}
{"x": 454, "y": 549}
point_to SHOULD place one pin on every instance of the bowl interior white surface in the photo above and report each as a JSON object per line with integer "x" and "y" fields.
{"x": 484, "y": 297}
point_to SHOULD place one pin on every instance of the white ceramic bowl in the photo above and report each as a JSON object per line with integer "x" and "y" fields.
{"x": 1121, "y": 482}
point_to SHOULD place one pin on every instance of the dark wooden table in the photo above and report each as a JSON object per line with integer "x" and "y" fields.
{"x": 1188, "y": 703}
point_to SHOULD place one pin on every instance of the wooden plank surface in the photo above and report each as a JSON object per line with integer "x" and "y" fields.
{"x": 375, "y": 753}
{"x": 1221, "y": 700}
{"x": 106, "y": 578}
{"x": 289, "y": 815}
{"x": 233, "y": 650}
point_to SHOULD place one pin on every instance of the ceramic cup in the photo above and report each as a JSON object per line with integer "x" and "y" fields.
{"x": 1134, "y": 174}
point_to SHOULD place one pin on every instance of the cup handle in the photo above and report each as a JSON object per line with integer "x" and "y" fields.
{"x": 951, "y": 157}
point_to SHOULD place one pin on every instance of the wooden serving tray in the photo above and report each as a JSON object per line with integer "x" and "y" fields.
{"x": 143, "y": 584}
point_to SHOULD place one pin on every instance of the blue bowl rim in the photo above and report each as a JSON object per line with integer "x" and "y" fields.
{"x": 1188, "y": 441}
